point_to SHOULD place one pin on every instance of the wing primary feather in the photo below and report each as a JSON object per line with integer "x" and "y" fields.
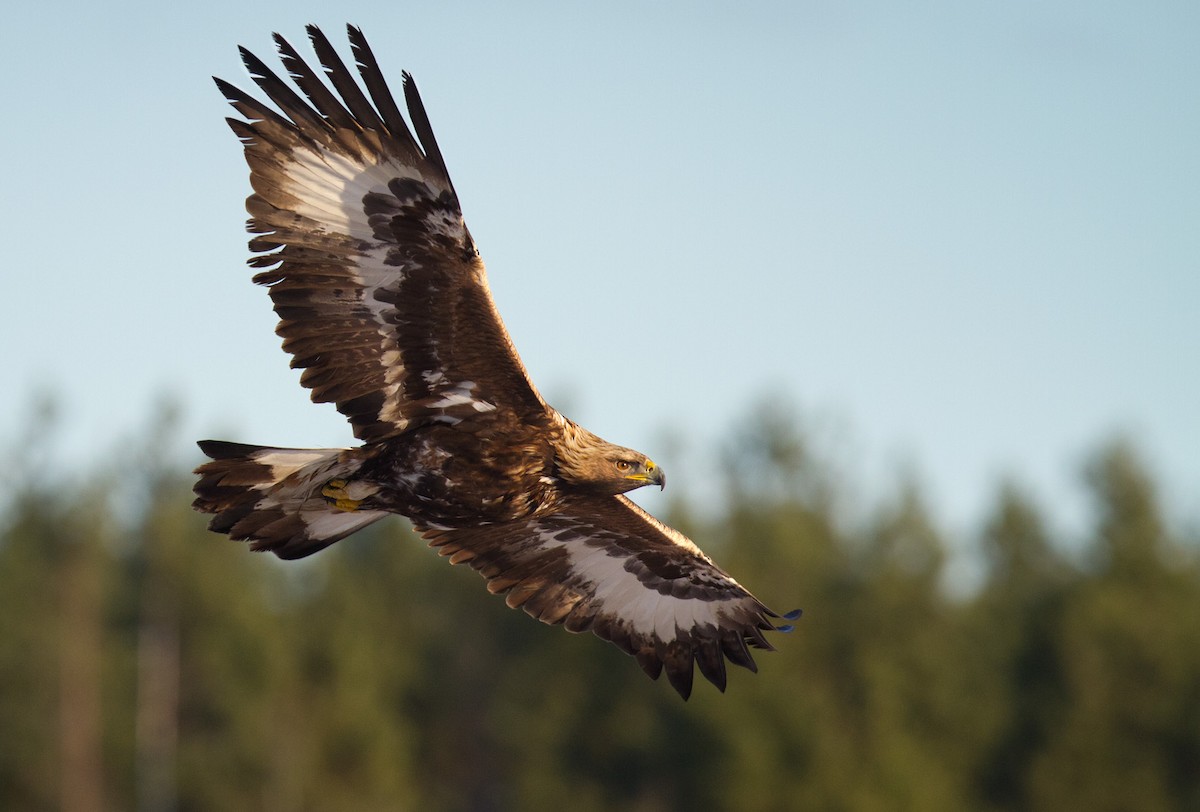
{"x": 288, "y": 101}
{"x": 650, "y": 663}
{"x": 677, "y": 659}
{"x": 248, "y": 106}
{"x": 420, "y": 120}
{"x": 306, "y": 79}
{"x": 734, "y": 646}
{"x": 360, "y": 108}
{"x": 792, "y": 615}
{"x": 711, "y": 661}
{"x": 755, "y": 638}
{"x": 377, "y": 86}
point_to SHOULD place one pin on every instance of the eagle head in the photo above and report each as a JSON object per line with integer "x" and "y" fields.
{"x": 586, "y": 461}
{"x": 633, "y": 470}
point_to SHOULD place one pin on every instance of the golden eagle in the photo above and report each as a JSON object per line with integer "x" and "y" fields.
{"x": 384, "y": 303}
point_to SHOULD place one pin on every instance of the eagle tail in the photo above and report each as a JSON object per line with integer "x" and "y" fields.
{"x": 291, "y": 501}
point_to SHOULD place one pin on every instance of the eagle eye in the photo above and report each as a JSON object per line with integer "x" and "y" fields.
{"x": 623, "y": 465}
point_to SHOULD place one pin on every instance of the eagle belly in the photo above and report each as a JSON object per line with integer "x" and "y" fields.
{"x": 440, "y": 477}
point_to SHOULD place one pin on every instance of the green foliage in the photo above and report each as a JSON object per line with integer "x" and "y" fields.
{"x": 146, "y": 663}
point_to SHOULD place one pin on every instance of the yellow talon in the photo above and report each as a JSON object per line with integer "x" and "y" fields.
{"x": 335, "y": 493}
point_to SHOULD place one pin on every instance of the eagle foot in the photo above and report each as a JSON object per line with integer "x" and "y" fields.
{"x": 336, "y": 495}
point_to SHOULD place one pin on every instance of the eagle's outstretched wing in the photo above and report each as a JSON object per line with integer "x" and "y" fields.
{"x": 381, "y": 295}
{"x": 604, "y": 564}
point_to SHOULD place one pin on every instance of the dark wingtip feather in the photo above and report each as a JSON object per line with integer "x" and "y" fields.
{"x": 681, "y": 681}
{"x": 711, "y": 661}
{"x": 734, "y": 646}
{"x": 678, "y": 659}
{"x": 224, "y": 450}
{"x": 377, "y": 86}
{"x": 286, "y": 99}
{"x": 229, "y": 91}
{"x": 649, "y": 663}
{"x": 420, "y": 120}
{"x": 359, "y": 107}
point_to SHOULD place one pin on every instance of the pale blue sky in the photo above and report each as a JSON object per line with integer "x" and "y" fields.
{"x": 962, "y": 238}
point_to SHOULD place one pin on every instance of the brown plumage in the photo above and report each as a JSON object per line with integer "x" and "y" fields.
{"x": 383, "y": 302}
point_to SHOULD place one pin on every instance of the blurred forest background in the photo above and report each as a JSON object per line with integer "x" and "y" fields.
{"x": 147, "y": 664}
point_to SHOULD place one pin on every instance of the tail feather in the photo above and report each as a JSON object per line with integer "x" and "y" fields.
{"x": 272, "y": 497}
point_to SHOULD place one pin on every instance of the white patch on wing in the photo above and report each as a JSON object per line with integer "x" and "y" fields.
{"x": 331, "y": 187}
{"x": 326, "y": 523}
{"x": 619, "y": 592}
{"x": 284, "y": 462}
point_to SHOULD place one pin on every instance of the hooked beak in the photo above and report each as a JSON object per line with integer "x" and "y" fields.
{"x": 650, "y": 474}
